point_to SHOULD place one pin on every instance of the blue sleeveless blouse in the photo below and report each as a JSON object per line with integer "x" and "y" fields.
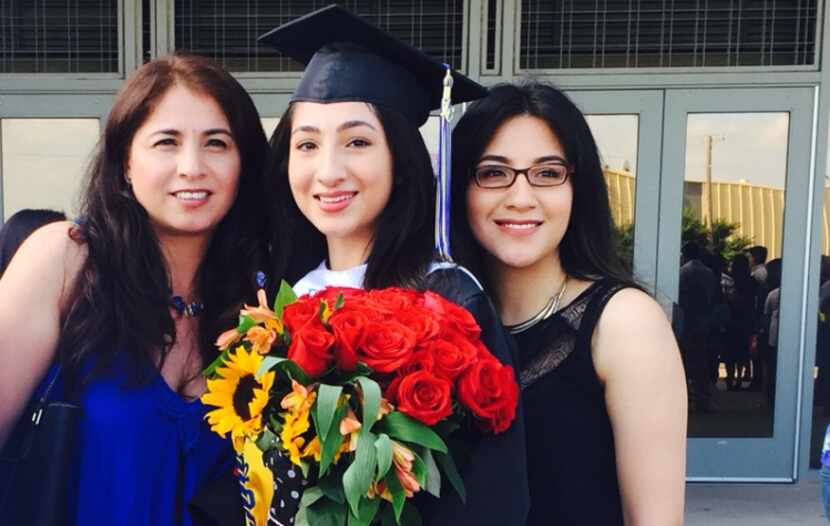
{"x": 144, "y": 452}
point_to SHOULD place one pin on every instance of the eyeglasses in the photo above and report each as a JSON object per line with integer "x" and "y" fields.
{"x": 541, "y": 175}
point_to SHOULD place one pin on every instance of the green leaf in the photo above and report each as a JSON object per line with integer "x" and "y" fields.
{"x": 384, "y": 448}
{"x": 245, "y": 323}
{"x": 268, "y": 363}
{"x": 398, "y": 494}
{"x": 341, "y": 300}
{"x": 448, "y": 467}
{"x": 360, "y": 474}
{"x": 332, "y": 487}
{"x": 433, "y": 478}
{"x": 311, "y": 495}
{"x": 326, "y": 512}
{"x": 410, "y": 516}
{"x": 289, "y": 369}
{"x": 368, "y": 510}
{"x": 419, "y": 469}
{"x": 267, "y": 440}
{"x": 332, "y": 443}
{"x": 325, "y": 407}
{"x": 210, "y": 370}
{"x": 387, "y": 516}
{"x": 348, "y": 377}
{"x": 371, "y": 402}
{"x": 285, "y": 296}
{"x": 400, "y": 426}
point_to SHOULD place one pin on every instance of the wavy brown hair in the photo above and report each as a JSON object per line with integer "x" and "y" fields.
{"x": 120, "y": 301}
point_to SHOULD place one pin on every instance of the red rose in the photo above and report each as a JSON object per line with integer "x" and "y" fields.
{"x": 422, "y": 321}
{"x": 425, "y": 397}
{"x": 387, "y": 346}
{"x": 330, "y": 294}
{"x": 297, "y": 314}
{"x": 311, "y": 349}
{"x": 394, "y": 299}
{"x": 452, "y": 315}
{"x": 348, "y": 326}
{"x": 421, "y": 360}
{"x": 452, "y": 355}
{"x": 488, "y": 388}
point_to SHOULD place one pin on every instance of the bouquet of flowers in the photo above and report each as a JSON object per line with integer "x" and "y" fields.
{"x": 339, "y": 403}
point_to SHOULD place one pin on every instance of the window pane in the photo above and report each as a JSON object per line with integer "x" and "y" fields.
{"x": 226, "y": 30}
{"x": 616, "y": 138}
{"x": 68, "y": 36}
{"x": 44, "y": 161}
{"x": 730, "y": 270}
{"x": 656, "y": 33}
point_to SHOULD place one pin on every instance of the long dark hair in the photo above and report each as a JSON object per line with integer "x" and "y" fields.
{"x": 120, "y": 301}
{"x": 402, "y": 246}
{"x": 18, "y": 227}
{"x": 588, "y": 249}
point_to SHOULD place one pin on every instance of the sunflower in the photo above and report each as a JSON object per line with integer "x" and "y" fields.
{"x": 238, "y": 396}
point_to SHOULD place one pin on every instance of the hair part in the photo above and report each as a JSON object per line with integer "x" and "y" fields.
{"x": 402, "y": 246}
{"x": 120, "y": 302}
{"x": 588, "y": 249}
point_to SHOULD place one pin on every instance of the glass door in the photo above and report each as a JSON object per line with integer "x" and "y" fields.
{"x": 46, "y": 144}
{"x": 627, "y": 128}
{"x": 734, "y": 206}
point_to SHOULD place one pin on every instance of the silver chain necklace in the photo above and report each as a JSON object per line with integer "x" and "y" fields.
{"x": 550, "y": 307}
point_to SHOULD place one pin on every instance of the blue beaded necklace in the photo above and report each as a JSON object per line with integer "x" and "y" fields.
{"x": 186, "y": 309}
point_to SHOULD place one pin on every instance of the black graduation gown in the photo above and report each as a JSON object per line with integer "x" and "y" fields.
{"x": 494, "y": 467}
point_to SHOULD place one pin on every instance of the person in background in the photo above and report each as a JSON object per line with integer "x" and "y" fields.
{"x": 123, "y": 306}
{"x": 757, "y": 259}
{"x": 603, "y": 385}
{"x": 742, "y": 322}
{"x": 769, "y": 324}
{"x": 20, "y": 226}
{"x": 697, "y": 285}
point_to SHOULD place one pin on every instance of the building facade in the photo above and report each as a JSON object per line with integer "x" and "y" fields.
{"x": 711, "y": 118}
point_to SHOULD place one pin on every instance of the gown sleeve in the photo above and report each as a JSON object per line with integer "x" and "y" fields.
{"x": 495, "y": 466}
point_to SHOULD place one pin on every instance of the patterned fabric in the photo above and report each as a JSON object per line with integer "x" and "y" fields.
{"x": 288, "y": 488}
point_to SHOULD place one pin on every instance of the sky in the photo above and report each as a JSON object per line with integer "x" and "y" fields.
{"x": 746, "y": 146}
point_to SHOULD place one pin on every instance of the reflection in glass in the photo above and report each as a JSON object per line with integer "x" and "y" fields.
{"x": 44, "y": 162}
{"x": 730, "y": 270}
{"x": 616, "y": 138}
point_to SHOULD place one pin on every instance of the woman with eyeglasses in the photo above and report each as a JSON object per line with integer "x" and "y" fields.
{"x": 603, "y": 386}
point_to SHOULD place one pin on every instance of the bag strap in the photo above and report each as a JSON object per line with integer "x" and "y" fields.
{"x": 44, "y": 399}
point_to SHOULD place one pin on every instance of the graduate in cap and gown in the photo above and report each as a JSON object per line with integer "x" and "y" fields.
{"x": 362, "y": 206}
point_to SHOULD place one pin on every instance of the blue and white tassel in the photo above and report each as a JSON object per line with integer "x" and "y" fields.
{"x": 442, "y": 194}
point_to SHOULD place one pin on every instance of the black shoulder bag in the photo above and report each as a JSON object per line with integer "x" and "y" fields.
{"x": 38, "y": 468}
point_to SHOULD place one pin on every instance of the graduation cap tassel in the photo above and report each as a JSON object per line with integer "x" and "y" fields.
{"x": 442, "y": 195}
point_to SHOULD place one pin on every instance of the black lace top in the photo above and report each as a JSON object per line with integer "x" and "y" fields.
{"x": 570, "y": 445}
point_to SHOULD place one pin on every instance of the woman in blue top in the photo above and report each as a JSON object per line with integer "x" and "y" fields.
{"x": 129, "y": 299}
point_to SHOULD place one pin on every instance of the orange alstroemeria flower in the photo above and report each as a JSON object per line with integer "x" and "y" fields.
{"x": 228, "y": 338}
{"x": 263, "y": 338}
{"x": 261, "y": 312}
{"x": 402, "y": 458}
{"x": 299, "y": 399}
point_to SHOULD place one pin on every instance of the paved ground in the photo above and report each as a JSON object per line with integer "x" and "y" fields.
{"x": 755, "y": 505}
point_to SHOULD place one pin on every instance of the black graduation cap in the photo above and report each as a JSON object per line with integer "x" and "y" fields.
{"x": 349, "y": 59}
